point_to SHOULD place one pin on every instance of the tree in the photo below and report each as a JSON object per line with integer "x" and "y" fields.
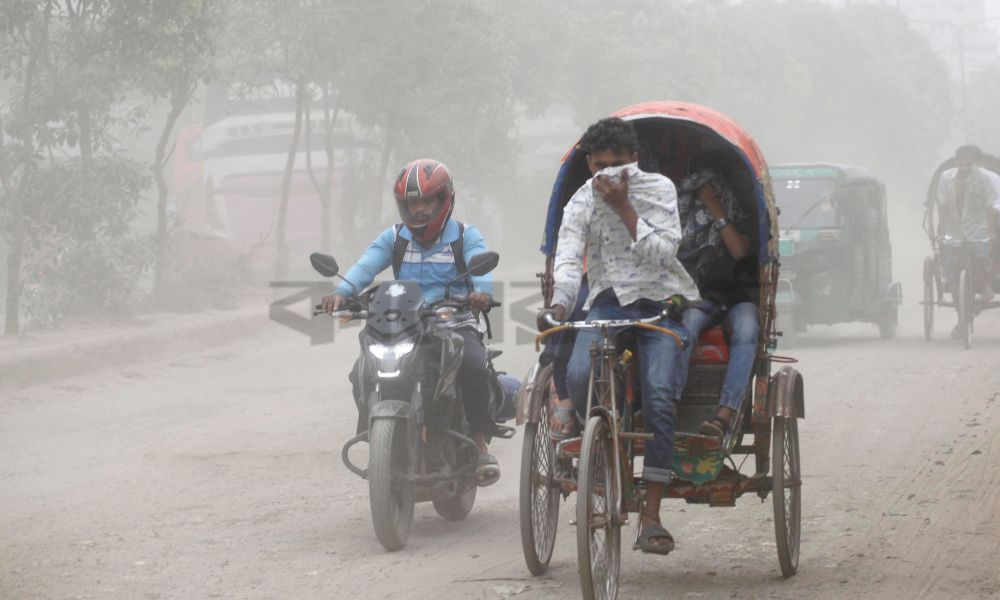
{"x": 173, "y": 52}
{"x": 434, "y": 79}
{"x": 24, "y": 47}
{"x": 61, "y": 61}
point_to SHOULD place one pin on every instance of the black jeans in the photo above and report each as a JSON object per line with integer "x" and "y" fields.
{"x": 473, "y": 383}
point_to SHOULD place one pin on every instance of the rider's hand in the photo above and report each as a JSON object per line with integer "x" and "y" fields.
{"x": 558, "y": 313}
{"x": 615, "y": 195}
{"x": 332, "y": 304}
{"x": 479, "y": 300}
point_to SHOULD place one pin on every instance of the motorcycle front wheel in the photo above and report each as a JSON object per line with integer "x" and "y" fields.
{"x": 389, "y": 494}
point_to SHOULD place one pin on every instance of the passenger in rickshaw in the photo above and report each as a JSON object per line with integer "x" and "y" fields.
{"x": 966, "y": 197}
{"x": 626, "y": 221}
{"x": 716, "y": 250}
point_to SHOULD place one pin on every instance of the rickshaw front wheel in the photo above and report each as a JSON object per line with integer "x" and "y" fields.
{"x": 598, "y": 526}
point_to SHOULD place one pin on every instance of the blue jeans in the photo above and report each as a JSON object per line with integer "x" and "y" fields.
{"x": 741, "y": 324}
{"x": 658, "y": 353}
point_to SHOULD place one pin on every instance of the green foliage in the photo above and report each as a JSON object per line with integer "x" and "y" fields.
{"x": 82, "y": 255}
{"x": 447, "y": 79}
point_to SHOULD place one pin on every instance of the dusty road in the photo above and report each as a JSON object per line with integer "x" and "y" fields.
{"x": 218, "y": 476}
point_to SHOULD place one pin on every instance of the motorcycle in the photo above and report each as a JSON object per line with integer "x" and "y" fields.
{"x": 420, "y": 447}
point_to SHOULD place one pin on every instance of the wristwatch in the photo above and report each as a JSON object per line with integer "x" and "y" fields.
{"x": 720, "y": 223}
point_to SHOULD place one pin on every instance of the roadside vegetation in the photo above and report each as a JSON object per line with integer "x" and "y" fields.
{"x": 445, "y": 78}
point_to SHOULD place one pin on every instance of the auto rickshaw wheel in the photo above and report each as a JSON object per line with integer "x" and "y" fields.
{"x": 887, "y": 323}
{"x": 929, "y": 298}
{"x": 786, "y": 484}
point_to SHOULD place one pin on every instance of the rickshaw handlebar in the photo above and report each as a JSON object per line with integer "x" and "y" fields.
{"x": 646, "y": 323}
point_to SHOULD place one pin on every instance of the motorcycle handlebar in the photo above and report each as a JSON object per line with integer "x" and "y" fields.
{"x": 337, "y": 314}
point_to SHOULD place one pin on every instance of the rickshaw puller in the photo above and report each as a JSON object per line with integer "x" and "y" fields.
{"x": 630, "y": 231}
{"x": 966, "y": 198}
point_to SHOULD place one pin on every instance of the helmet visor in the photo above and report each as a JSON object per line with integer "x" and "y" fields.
{"x": 417, "y": 213}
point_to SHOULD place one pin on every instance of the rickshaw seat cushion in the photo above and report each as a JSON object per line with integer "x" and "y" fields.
{"x": 711, "y": 348}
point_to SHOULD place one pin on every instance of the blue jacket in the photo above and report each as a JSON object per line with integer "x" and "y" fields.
{"x": 431, "y": 267}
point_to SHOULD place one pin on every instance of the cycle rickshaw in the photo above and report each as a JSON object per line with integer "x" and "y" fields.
{"x": 602, "y": 464}
{"x": 964, "y": 300}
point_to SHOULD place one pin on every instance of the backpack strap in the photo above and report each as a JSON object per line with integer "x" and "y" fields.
{"x": 398, "y": 251}
{"x": 400, "y": 245}
{"x": 458, "y": 251}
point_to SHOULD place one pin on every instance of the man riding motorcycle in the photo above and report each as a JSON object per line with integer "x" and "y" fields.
{"x": 430, "y": 248}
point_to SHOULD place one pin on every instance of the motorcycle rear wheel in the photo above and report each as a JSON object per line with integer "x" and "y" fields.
{"x": 390, "y": 496}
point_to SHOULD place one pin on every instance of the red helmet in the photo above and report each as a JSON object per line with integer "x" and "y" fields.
{"x": 424, "y": 179}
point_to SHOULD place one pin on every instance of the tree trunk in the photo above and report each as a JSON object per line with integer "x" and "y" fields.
{"x": 326, "y": 208}
{"x": 325, "y": 187}
{"x": 178, "y": 100}
{"x": 86, "y": 130}
{"x": 383, "y": 165}
{"x": 281, "y": 249}
{"x": 15, "y": 257}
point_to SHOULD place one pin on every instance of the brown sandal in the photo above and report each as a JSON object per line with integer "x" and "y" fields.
{"x": 714, "y": 427}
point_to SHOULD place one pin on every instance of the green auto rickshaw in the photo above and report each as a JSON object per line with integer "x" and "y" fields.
{"x": 836, "y": 259}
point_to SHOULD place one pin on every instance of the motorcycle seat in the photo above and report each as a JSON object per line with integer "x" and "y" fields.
{"x": 491, "y": 353}
{"x": 711, "y": 348}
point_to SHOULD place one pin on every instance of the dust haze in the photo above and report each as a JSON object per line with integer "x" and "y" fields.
{"x": 168, "y": 166}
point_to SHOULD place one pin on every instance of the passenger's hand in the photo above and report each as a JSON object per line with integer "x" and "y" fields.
{"x": 615, "y": 195}
{"x": 558, "y": 313}
{"x": 709, "y": 195}
{"x": 479, "y": 300}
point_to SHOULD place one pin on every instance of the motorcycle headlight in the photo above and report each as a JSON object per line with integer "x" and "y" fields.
{"x": 390, "y": 351}
{"x": 444, "y": 313}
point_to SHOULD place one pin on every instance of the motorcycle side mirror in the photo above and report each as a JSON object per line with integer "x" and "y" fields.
{"x": 325, "y": 264}
{"x": 481, "y": 264}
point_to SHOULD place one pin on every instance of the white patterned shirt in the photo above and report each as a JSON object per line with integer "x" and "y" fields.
{"x": 645, "y": 268}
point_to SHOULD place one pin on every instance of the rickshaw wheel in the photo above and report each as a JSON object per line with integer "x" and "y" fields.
{"x": 929, "y": 298}
{"x": 786, "y": 492}
{"x": 539, "y": 495}
{"x": 887, "y": 323}
{"x": 598, "y": 527}
{"x": 964, "y": 302}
